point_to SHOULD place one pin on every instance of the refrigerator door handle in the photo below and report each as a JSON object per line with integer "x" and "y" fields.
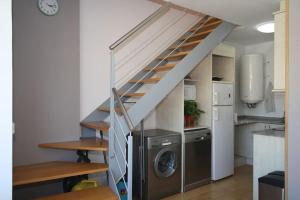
{"x": 216, "y": 98}
{"x": 215, "y": 114}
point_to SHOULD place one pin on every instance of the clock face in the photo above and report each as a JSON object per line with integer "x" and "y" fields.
{"x": 48, "y": 7}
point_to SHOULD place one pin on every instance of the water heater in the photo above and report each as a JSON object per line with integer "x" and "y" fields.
{"x": 252, "y": 79}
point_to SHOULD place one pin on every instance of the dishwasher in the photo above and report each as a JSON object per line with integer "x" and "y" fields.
{"x": 197, "y": 169}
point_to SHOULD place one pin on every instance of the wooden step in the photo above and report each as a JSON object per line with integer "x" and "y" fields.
{"x": 106, "y": 109}
{"x": 86, "y": 144}
{"x": 35, "y": 173}
{"x": 134, "y": 94}
{"x": 213, "y": 19}
{"x": 98, "y": 125}
{"x": 99, "y": 193}
{"x": 198, "y": 36}
{"x": 176, "y": 56}
{"x": 149, "y": 80}
{"x": 161, "y": 68}
{"x": 208, "y": 24}
{"x": 186, "y": 45}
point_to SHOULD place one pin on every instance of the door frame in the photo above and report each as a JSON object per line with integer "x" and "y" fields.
{"x": 6, "y": 99}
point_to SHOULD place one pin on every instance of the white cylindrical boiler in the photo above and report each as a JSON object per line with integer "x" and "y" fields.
{"x": 252, "y": 78}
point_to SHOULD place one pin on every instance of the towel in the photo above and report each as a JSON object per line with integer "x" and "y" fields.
{"x": 269, "y": 100}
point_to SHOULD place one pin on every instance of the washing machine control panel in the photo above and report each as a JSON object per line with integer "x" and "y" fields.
{"x": 160, "y": 142}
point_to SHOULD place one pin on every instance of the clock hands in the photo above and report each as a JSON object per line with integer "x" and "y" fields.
{"x": 51, "y": 5}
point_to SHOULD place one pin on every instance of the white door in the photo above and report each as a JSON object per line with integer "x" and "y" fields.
{"x": 222, "y": 142}
{"x": 222, "y": 94}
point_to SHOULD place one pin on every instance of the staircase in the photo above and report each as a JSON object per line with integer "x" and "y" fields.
{"x": 128, "y": 105}
{"x": 163, "y": 74}
{"x": 69, "y": 172}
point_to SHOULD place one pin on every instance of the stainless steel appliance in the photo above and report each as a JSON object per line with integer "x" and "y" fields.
{"x": 197, "y": 168}
{"x": 158, "y": 170}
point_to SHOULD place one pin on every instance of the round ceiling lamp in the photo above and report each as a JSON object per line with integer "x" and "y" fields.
{"x": 266, "y": 27}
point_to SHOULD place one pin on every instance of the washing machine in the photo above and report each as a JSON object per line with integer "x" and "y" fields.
{"x": 158, "y": 169}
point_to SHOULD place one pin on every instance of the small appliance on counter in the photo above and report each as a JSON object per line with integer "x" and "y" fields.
{"x": 189, "y": 92}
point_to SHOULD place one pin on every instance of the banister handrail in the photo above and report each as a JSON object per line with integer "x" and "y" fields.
{"x": 123, "y": 110}
{"x": 130, "y": 33}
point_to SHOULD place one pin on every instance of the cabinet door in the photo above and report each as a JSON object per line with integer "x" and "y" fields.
{"x": 279, "y": 52}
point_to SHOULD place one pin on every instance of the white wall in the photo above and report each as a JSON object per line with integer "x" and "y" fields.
{"x": 293, "y": 101}
{"x": 267, "y": 49}
{"x": 243, "y": 133}
{"x": 6, "y": 99}
{"x": 102, "y": 23}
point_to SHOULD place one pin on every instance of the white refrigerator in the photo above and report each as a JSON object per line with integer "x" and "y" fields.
{"x": 222, "y": 131}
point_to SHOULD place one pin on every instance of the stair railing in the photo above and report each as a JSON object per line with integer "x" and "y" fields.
{"x": 120, "y": 134}
{"x": 126, "y": 158}
{"x": 121, "y": 127}
{"x": 177, "y": 47}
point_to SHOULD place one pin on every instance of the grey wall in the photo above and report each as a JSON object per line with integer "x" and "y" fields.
{"x": 45, "y": 80}
{"x": 293, "y": 101}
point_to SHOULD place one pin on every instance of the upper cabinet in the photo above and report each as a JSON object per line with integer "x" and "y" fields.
{"x": 280, "y": 49}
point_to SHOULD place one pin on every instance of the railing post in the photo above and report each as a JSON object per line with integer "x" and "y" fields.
{"x": 130, "y": 167}
{"x": 112, "y": 100}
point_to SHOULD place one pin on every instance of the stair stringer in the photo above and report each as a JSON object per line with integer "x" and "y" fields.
{"x": 160, "y": 90}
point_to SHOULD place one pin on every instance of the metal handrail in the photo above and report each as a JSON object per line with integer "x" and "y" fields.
{"x": 130, "y": 33}
{"x": 202, "y": 22}
{"x": 123, "y": 110}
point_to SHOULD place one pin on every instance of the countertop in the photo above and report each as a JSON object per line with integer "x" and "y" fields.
{"x": 243, "y": 119}
{"x": 270, "y": 132}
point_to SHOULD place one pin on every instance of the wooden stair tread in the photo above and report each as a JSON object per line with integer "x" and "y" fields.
{"x": 106, "y": 109}
{"x": 161, "y": 68}
{"x": 99, "y": 193}
{"x": 187, "y": 44}
{"x": 86, "y": 144}
{"x": 35, "y": 173}
{"x": 175, "y": 56}
{"x": 208, "y": 24}
{"x": 134, "y": 94}
{"x": 98, "y": 125}
{"x": 149, "y": 80}
{"x": 202, "y": 33}
{"x": 213, "y": 19}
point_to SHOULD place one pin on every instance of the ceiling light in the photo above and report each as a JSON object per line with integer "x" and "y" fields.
{"x": 266, "y": 27}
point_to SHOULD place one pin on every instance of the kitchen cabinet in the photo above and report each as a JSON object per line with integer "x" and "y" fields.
{"x": 268, "y": 155}
{"x": 280, "y": 49}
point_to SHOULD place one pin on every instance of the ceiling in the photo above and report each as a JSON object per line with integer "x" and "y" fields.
{"x": 246, "y": 13}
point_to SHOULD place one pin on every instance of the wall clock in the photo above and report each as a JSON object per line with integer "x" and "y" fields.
{"x": 48, "y": 7}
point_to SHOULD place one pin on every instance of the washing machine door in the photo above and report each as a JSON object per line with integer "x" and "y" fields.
{"x": 165, "y": 162}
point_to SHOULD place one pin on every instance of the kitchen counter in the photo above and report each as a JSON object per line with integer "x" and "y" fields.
{"x": 244, "y": 119}
{"x": 268, "y": 154}
{"x": 270, "y": 132}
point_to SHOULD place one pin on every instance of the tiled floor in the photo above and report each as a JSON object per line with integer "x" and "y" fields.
{"x": 237, "y": 187}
